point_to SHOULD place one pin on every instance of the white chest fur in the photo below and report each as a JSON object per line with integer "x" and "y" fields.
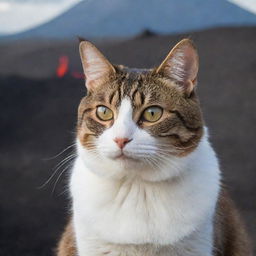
{"x": 132, "y": 214}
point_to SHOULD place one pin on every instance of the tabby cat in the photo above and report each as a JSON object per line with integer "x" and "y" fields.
{"x": 146, "y": 180}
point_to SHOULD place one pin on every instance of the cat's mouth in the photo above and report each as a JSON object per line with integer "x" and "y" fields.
{"x": 124, "y": 157}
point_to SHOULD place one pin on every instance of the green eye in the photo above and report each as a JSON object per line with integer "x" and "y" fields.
{"x": 152, "y": 114}
{"x": 104, "y": 113}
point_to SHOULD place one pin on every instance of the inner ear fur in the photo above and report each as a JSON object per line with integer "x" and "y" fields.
{"x": 96, "y": 67}
{"x": 181, "y": 65}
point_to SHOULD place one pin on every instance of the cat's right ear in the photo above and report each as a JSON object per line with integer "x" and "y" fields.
{"x": 96, "y": 67}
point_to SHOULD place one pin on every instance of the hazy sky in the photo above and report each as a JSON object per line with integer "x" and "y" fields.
{"x": 249, "y": 5}
{"x": 19, "y": 15}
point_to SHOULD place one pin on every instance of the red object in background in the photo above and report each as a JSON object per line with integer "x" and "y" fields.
{"x": 62, "y": 68}
{"x": 78, "y": 75}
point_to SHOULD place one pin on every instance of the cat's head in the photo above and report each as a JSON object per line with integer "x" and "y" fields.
{"x": 139, "y": 122}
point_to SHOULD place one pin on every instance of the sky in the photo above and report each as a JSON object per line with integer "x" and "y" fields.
{"x": 20, "y": 15}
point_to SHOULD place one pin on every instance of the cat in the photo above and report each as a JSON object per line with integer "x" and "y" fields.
{"x": 146, "y": 180}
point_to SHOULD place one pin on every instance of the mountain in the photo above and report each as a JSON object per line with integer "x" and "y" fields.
{"x": 115, "y": 18}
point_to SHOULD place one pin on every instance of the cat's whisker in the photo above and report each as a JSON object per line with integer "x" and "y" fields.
{"x": 155, "y": 163}
{"x": 56, "y": 168}
{"x": 64, "y": 150}
{"x": 147, "y": 161}
{"x": 62, "y": 172}
{"x": 65, "y": 159}
{"x": 66, "y": 190}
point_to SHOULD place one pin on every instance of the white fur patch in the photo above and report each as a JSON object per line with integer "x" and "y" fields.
{"x": 117, "y": 204}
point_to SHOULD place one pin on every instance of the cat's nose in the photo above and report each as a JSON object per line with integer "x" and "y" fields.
{"x": 121, "y": 142}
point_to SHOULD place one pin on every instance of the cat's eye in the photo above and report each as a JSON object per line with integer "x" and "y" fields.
{"x": 104, "y": 113}
{"x": 152, "y": 114}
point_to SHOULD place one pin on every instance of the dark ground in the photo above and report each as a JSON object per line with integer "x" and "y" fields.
{"x": 38, "y": 120}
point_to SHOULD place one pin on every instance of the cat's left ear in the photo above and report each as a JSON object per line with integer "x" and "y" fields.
{"x": 181, "y": 65}
{"x": 96, "y": 67}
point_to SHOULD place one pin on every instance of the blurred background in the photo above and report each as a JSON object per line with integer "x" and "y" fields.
{"x": 41, "y": 84}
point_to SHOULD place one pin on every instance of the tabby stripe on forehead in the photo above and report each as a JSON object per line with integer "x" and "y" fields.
{"x": 138, "y": 97}
{"x": 142, "y": 98}
{"x": 178, "y": 114}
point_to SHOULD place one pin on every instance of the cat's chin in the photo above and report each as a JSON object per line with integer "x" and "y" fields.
{"x": 124, "y": 158}
{"x": 127, "y": 162}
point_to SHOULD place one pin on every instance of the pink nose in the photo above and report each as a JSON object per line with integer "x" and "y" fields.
{"x": 121, "y": 142}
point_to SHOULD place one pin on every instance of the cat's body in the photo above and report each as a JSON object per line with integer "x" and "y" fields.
{"x": 146, "y": 181}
